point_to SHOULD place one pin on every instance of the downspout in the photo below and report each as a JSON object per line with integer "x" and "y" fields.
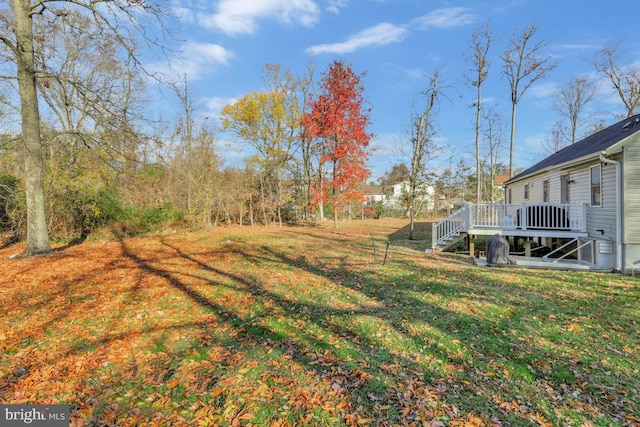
{"x": 605, "y": 159}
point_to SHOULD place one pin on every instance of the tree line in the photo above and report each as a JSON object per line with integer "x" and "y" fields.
{"x": 87, "y": 154}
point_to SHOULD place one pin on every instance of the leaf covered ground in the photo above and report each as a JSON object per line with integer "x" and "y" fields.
{"x": 305, "y": 326}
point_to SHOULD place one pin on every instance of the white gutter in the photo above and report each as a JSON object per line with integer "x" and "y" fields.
{"x": 605, "y": 159}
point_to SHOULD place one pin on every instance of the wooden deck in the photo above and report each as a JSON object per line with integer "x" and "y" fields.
{"x": 523, "y": 220}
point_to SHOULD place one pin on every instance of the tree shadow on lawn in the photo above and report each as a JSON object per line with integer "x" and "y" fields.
{"x": 529, "y": 351}
{"x": 487, "y": 338}
{"x": 422, "y": 236}
{"x": 398, "y": 347}
{"x": 342, "y": 379}
{"x": 53, "y": 304}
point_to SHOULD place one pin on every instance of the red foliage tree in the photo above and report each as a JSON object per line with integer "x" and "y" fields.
{"x": 337, "y": 121}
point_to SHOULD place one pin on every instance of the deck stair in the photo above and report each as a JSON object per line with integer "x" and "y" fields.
{"x": 451, "y": 229}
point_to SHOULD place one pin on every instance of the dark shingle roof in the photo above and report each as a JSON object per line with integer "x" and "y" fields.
{"x": 592, "y": 144}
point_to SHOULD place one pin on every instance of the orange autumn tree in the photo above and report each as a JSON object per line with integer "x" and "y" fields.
{"x": 337, "y": 122}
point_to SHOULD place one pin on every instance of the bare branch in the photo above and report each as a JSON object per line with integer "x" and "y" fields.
{"x": 571, "y": 101}
{"x": 524, "y": 63}
{"x": 626, "y": 81}
{"x": 481, "y": 41}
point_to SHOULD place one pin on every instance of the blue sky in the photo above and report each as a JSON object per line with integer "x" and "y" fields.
{"x": 398, "y": 43}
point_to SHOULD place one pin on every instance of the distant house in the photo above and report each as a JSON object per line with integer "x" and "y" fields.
{"x": 499, "y": 181}
{"x": 373, "y": 194}
{"x": 391, "y": 195}
{"x": 580, "y": 203}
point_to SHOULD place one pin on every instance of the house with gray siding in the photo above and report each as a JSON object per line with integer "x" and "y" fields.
{"x": 579, "y": 205}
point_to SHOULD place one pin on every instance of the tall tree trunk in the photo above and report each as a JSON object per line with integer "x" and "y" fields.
{"x": 37, "y": 233}
{"x": 263, "y": 200}
{"x": 411, "y": 224}
{"x": 321, "y": 203}
{"x": 279, "y": 198}
{"x": 334, "y": 198}
{"x": 306, "y": 161}
{"x": 478, "y": 169}
{"x": 513, "y": 138}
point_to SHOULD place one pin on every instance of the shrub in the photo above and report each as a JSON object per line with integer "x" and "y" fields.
{"x": 145, "y": 220}
{"x": 12, "y": 206}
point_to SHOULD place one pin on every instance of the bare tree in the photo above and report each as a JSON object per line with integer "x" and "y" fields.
{"x": 185, "y": 132}
{"x": 571, "y": 101}
{"x": 557, "y": 138}
{"x": 422, "y": 145}
{"x": 307, "y": 90}
{"x": 493, "y": 136}
{"x": 91, "y": 107}
{"x": 117, "y": 17}
{"x": 481, "y": 41}
{"x": 524, "y": 63}
{"x": 625, "y": 80}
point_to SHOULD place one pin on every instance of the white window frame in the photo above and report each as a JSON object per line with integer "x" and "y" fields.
{"x": 526, "y": 191}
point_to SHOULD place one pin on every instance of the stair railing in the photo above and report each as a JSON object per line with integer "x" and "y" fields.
{"x": 450, "y": 227}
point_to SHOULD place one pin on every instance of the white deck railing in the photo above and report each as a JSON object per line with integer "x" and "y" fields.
{"x": 450, "y": 227}
{"x": 539, "y": 216}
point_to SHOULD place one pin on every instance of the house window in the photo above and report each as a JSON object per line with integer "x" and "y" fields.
{"x": 507, "y": 195}
{"x": 596, "y": 185}
{"x": 526, "y": 191}
{"x": 545, "y": 190}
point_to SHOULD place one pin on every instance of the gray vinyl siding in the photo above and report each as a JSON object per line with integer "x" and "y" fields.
{"x": 517, "y": 192}
{"x": 554, "y": 187}
{"x": 631, "y": 196}
{"x": 581, "y": 186}
{"x": 535, "y": 190}
{"x": 603, "y": 217}
{"x": 580, "y": 190}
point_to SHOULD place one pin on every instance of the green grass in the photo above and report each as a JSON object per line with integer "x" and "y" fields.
{"x": 304, "y": 326}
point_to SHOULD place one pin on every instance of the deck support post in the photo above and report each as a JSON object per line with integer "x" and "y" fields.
{"x": 471, "y": 244}
{"x": 527, "y": 247}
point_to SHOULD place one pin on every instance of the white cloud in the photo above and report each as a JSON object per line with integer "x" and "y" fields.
{"x": 195, "y": 61}
{"x": 235, "y": 17}
{"x": 387, "y": 33}
{"x": 445, "y": 18}
{"x": 201, "y": 58}
{"x": 543, "y": 89}
{"x": 381, "y": 34}
{"x": 215, "y": 104}
{"x": 209, "y": 52}
{"x": 183, "y": 14}
{"x": 406, "y": 72}
{"x": 334, "y": 6}
{"x": 577, "y": 47}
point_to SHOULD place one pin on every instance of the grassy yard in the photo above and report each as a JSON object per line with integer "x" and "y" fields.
{"x": 304, "y": 326}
